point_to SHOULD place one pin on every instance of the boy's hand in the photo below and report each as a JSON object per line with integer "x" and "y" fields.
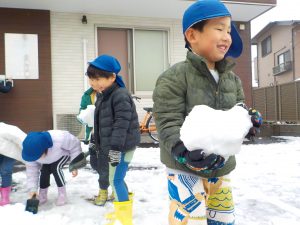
{"x": 74, "y": 173}
{"x": 92, "y": 148}
{"x": 256, "y": 117}
{"x": 114, "y": 157}
{"x": 31, "y": 194}
{"x": 257, "y": 121}
{"x": 196, "y": 160}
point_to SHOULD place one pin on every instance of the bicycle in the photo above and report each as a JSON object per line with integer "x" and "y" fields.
{"x": 147, "y": 125}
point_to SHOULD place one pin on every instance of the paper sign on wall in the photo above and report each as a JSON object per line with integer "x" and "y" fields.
{"x": 21, "y": 56}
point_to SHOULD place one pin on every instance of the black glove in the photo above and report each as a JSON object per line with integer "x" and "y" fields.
{"x": 196, "y": 159}
{"x": 114, "y": 157}
{"x": 92, "y": 149}
{"x": 92, "y": 146}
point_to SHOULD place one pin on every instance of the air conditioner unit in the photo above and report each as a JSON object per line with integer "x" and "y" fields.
{"x": 70, "y": 123}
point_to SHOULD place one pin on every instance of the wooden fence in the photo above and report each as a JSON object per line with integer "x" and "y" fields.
{"x": 279, "y": 103}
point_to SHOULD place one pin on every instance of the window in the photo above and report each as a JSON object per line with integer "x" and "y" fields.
{"x": 284, "y": 63}
{"x": 266, "y": 46}
{"x": 284, "y": 57}
{"x": 151, "y": 58}
{"x": 142, "y": 53}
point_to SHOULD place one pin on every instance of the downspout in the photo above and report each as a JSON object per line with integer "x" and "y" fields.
{"x": 293, "y": 53}
{"x": 84, "y": 53}
{"x": 257, "y": 66}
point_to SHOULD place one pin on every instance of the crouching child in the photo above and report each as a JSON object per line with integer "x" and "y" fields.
{"x": 46, "y": 153}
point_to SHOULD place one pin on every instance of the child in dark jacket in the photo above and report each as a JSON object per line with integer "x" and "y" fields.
{"x": 116, "y": 128}
{"x": 98, "y": 160}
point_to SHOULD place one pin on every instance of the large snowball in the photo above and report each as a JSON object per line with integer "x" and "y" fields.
{"x": 215, "y": 131}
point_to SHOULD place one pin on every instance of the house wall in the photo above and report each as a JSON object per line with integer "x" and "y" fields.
{"x": 254, "y": 1}
{"x": 68, "y": 65}
{"x": 29, "y": 104}
{"x": 243, "y": 63}
{"x": 36, "y": 104}
{"x": 281, "y": 42}
{"x": 68, "y": 61}
{"x": 297, "y": 52}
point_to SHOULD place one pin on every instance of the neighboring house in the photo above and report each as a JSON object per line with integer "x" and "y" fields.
{"x": 146, "y": 36}
{"x": 278, "y": 53}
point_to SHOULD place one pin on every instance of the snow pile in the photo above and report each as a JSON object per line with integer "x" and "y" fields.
{"x": 215, "y": 131}
{"x": 86, "y": 116}
{"x": 11, "y": 139}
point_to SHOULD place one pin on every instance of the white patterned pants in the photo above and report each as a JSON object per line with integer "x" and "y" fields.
{"x": 199, "y": 201}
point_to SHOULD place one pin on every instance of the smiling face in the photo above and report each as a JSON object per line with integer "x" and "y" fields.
{"x": 213, "y": 41}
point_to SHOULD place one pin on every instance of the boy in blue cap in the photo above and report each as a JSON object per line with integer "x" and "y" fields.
{"x": 116, "y": 129}
{"x": 198, "y": 184}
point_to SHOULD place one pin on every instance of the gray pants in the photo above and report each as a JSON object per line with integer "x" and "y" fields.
{"x": 99, "y": 162}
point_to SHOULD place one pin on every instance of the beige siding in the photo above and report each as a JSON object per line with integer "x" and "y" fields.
{"x": 67, "y": 37}
{"x": 297, "y": 52}
{"x": 281, "y": 42}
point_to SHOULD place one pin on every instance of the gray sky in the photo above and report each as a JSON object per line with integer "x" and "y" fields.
{"x": 285, "y": 10}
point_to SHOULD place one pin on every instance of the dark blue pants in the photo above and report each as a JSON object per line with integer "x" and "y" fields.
{"x": 6, "y": 169}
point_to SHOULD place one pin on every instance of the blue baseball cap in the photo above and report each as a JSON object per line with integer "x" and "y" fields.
{"x": 110, "y": 64}
{"x": 209, "y": 9}
{"x": 35, "y": 144}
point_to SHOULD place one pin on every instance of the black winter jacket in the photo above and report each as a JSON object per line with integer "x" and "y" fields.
{"x": 116, "y": 125}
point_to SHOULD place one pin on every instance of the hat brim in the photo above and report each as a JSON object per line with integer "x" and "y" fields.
{"x": 236, "y": 47}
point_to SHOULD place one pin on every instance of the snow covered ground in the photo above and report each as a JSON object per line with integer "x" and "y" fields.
{"x": 266, "y": 188}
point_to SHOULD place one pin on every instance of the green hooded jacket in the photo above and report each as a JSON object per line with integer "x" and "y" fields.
{"x": 86, "y": 100}
{"x": 179, "y": 89}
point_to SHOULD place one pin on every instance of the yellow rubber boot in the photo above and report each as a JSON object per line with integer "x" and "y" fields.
{"x": 112, "y": 215}
{"x": 101, "y": 199}
{"x": 122, "y": 213}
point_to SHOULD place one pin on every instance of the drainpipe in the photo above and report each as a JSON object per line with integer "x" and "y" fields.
{"x": 84, "y": 53}
{"x": 293, "y": 53}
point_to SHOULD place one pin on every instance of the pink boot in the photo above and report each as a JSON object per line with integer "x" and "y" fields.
{"x": 5, "y": 192}
{"x": 62, "y": 196}
{"x": 43, "y": 195}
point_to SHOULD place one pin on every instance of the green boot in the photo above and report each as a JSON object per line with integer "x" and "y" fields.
{"x": 102, "y": 197}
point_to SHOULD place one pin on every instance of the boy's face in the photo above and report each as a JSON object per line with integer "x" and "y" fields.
{"x": 213, "y": 41}
{"x": 101, "y": 83}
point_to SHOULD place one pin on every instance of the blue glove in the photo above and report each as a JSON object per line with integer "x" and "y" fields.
{"x": 114, "y": 157}
{"x": 197, "y": 160}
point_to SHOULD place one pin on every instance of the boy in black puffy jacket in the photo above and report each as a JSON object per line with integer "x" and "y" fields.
{"x": 116, "y": 128}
